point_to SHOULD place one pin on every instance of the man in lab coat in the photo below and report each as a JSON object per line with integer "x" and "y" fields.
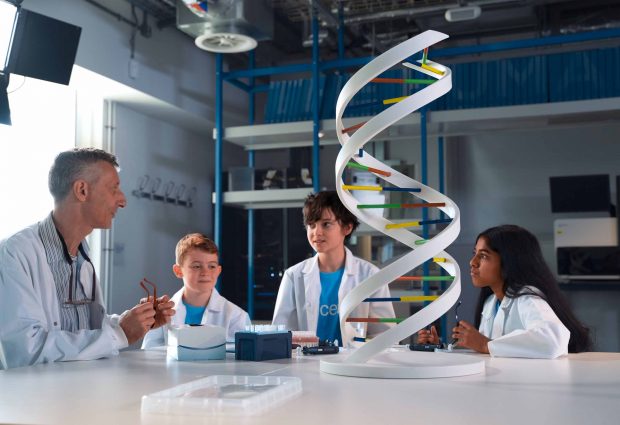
{"x": 51, "y": 306}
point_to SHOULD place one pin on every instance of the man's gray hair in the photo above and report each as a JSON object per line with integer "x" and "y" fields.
{"x": 71, "y": 165}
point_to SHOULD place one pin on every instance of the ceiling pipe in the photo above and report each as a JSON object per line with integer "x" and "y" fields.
{"x": 332, "y": 23}
{"x": 419, "y": 11}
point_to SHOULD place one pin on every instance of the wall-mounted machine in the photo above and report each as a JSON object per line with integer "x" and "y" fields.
{"x": 586, "y": 248}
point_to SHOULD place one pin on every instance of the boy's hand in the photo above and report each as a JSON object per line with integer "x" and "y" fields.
{"x": 163, "y": 311}
{"x": 428, "y": 337}
{"x": 469, "y": 337}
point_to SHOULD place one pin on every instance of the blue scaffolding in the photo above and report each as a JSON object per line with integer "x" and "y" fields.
{"x": 316, "y": 68}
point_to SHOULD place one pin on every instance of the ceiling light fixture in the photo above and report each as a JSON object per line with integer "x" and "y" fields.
{"x": 465, "y": 13}
{"x": 226, "y": 26}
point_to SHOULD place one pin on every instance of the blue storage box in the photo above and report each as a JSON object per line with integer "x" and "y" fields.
{"x": 258, "y": 346}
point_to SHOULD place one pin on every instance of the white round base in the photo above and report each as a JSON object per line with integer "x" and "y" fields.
{"x": 406, "y": 364}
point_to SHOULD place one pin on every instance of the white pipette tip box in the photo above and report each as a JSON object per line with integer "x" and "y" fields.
{"x": 225, "y": 395}
{"x": 200, "y": 342}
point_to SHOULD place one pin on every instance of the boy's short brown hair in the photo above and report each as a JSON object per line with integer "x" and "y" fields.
{"x": 194, "y": 241}
{"x": 316, "y": 203}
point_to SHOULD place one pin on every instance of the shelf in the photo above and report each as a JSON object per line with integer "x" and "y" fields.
{"x": 440, "y": 123}
{"x": 265, "y": 199}
{"x": 590, "y": 285}
{"x": 281, "y": 135}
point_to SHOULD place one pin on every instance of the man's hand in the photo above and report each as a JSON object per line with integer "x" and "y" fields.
{"x": 164, "y": 311}
{"x": 428, "y": 337}
{"x": 137, "y": 321}
{"x": 469, "y": 337}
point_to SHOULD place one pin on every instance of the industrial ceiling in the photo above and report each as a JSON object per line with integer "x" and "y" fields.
{"x": 372, "y": 26}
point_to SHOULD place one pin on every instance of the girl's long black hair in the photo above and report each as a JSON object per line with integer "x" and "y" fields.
{"x": 522, "y": 265}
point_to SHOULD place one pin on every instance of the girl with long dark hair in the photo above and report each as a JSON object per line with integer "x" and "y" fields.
{"x": 521, "y": 311}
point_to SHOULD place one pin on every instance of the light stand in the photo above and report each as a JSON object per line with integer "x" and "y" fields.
{"x": 5, "y": 111}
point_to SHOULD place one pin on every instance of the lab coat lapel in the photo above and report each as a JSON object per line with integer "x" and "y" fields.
{"x": 311, "y": 281}
{"x": 486, "y": 321}
{"x": 348, "y": 277}
{"x": 346, "y": 285}
{"x": 214, "y": 307}
{"x": 499, "y": 324}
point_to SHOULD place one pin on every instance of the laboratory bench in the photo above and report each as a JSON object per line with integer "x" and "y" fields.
{"x": 576, "y": 389}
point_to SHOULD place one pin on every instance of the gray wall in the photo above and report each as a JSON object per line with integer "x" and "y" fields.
{"x": 170, "y": 67}
{"x": 498, "y": 178}
{"x": 146, "y": 231}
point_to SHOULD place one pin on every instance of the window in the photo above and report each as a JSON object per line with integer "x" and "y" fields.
{"x": 43, "y": 116}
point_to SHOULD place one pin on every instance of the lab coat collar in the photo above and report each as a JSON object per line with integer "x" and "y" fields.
{"x": 507, "y": 301}
{"x": 216, "y": 302}
{"x": 312, "y": 266}
{"x": 50, "y": 238}
{"x": 505, "y": 305}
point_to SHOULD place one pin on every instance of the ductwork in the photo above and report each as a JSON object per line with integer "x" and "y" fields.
{"x": 226, "y": 26}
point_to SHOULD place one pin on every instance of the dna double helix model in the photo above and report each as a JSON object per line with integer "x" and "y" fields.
{"x": 372, "y": 358}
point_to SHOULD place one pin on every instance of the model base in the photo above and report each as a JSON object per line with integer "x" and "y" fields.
{"x": 406, "y": 364}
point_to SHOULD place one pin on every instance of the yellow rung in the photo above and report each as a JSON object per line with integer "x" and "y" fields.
{"x": 430, "y": 68}
{"x": 440, "y": 259}
{"x": 401, "y": 225}
{"x": 351, "y": 187}
{"x": 414, "y": 298}
{"x": 394, "y": 100}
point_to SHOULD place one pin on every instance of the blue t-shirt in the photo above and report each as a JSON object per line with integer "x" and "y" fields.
{"x": 193, "y": 314}
{"x": 328, "y": 326}
{"x": 497, "y": 304}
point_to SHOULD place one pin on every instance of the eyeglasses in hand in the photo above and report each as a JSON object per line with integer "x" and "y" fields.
{"x": 145, "y": 284}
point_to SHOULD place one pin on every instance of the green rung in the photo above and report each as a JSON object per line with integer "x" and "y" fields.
{"x": 361, "y": 206}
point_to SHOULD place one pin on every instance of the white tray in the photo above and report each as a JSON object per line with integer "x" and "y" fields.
{"x": 223, "y": 395}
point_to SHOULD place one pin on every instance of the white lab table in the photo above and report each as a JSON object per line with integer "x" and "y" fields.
{"x": 578, "y": 389}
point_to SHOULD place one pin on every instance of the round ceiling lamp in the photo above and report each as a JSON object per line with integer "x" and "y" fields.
{"x": 225, "y": 42}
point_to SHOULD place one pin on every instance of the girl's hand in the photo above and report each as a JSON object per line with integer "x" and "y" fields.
{"x": 469, "y": 337}
{"x": 428, "y": 337}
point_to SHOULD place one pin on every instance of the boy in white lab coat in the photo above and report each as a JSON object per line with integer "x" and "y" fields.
{"x": 311, "y": 291}
{"x": 198, "y": 302}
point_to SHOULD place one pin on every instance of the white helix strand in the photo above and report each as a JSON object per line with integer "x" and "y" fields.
{"x": 419, "y": 253}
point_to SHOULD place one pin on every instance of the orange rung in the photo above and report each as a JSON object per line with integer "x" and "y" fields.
{"x": 353, "y": 127}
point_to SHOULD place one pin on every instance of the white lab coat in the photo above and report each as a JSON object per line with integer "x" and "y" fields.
{"x": 297, "y": 305}
{"x": 219, "y": 312}
{"x": 525, "y": 326}
{"x": 30, "y": 326}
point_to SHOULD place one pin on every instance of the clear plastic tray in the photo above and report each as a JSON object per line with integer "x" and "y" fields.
{"x": 223, "y": 395}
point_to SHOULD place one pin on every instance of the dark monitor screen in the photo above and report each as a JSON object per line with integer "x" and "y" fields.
{"x": 580, "y": 193}
{"x": 43, "y": 47}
